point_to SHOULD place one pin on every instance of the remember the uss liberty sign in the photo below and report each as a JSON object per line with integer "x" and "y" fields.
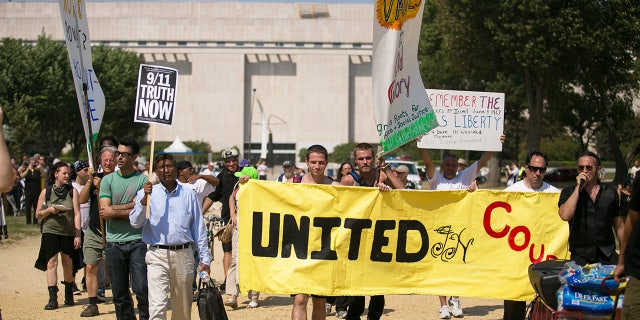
{"x": 156, "y": 95}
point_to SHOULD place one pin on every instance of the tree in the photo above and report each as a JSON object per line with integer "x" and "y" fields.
{"x": 42, "y": 111}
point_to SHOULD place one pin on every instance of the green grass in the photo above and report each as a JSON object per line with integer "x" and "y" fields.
{"x": 18, "y": 230}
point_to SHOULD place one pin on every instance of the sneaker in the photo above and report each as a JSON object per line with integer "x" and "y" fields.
{"x": 101, "y": 292}
{"x": 327, "y": 307}
{"x": 444, "y": 312}
{"x": 456, "y": 310}
{"x": 76, "y": 291}
{"x": 231, "y": 303}
{"x": 90, "y": 311}
{"x": 341, "y": 314}
{"x": 253, "y": 304}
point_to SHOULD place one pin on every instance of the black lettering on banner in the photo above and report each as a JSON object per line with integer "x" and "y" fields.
{"x": 356, "y": 226}
{"x": 404, "y": 226}
{"x": 298, "y": 237}
{"x": 325, "y": 252}
{"x": 271, "y": 250}
{"x": 380, "y": 241}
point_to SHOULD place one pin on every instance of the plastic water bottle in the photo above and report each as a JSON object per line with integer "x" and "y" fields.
{"x": 204, "y": 277}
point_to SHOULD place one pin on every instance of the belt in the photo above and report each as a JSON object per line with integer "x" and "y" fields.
{"x": 128, "y": 242}
{"x": 178, "y": 247}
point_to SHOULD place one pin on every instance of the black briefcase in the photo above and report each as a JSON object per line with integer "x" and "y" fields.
{"x": 210, "y": 305}
{"x": 544, "y": 277}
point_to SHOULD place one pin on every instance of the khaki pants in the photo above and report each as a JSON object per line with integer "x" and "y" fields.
{"x": 170, "y": 272}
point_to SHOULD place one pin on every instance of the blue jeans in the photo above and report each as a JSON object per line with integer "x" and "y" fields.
{"x": 124, "y": 260}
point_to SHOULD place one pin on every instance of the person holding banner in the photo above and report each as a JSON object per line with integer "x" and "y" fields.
{"x": 173, "y": 225}
{"x": 367, "y": 176}
{"x": 317, "y": 159}
{"x": 629, "y": 262}
{"x": 449, "y": 179}
{"x": 535, "y": 168}
{"x": 593, "y": 211}
{"x": 232, "y": 288}
{"x": 125, "y": 249}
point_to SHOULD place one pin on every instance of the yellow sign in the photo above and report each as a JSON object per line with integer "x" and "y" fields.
{"x": 392, "y": 14}
{"x": 331, "y": 241}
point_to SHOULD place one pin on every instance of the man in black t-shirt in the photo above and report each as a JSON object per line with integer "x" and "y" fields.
{"x": 629, "y": 262}
{"x": 223, "y": 191}
{"x": 593, "y": 213}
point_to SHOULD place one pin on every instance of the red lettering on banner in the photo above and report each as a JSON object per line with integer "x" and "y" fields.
{"x": 526, "y": 233}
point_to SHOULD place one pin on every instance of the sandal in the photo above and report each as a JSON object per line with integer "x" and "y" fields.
{"x": 231, "y": 303}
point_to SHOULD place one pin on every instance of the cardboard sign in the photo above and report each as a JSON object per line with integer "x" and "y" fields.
{"x": 469, "y": 120}
{"x": 78, "y": 42}
{"x": 156, "y": 95}
{"x": 400, "y": 106}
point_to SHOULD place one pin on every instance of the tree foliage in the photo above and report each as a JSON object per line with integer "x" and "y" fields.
{"x": 567, "y": 68}
{"x": 37, "y": 90}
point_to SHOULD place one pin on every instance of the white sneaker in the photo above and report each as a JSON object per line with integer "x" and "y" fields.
{"x": 327, "y": 307}
{"x": 456, "y": 310}
{"x": 444, "y": 312}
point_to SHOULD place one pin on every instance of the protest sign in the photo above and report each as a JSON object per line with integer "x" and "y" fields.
{"x": 401, "y": 109}
{"x": 336, "y": 240}
{"x": 88, "y": 89}
{"x": 156, "y": 94}
{"x": 469, "y": 120}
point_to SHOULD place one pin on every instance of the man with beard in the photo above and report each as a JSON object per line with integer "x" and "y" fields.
{"x": 367, "y": 176}
{"x": 93, "y": 245}
{"x": 223, "y": 191}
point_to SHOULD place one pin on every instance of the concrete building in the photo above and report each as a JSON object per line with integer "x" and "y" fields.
{"x": 306, "y": 66}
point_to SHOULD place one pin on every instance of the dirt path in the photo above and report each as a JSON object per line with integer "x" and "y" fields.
{"x": 23, "y": 294}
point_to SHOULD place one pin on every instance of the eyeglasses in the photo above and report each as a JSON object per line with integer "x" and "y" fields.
{"x": 588, "y": 167}
{"x": 536, "y": 169}
{"x": 124, "y": 154}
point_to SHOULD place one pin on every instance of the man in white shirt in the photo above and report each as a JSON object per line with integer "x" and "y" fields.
{"x": 202, "y": 184}
{"x": 534, "y": 170}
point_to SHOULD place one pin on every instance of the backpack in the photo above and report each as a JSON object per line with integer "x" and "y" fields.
{"x": 47, "y": 194}
{"x": 209, "y": 302}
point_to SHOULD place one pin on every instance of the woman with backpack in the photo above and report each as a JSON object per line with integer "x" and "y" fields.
{"x": 58, "y": 211}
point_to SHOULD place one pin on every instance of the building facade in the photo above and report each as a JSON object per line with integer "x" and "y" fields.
{"x": 305, "y": 67}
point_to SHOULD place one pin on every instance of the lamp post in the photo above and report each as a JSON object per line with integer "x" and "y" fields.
{"x": 253, "y": 98}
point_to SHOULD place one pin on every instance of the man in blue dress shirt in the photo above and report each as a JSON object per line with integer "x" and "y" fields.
{"x": 174, "y": 224}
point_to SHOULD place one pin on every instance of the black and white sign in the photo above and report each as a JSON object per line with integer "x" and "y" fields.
{"x": 156, "y": 96}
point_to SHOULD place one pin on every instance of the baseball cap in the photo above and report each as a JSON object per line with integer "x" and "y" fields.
{"x": 183, "y": 164}
{"x": 247, "y": 171}
{"x": 402, "y": 168}
{"x": 244, "y": 163}
{"x": 287, "y": 164}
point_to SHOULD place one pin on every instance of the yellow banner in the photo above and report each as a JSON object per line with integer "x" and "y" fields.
{"x": 332, "y": 241}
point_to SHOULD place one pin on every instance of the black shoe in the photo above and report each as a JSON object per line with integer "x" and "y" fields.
{"x": 76, "y": 290}
{"x": 90, "y": 311}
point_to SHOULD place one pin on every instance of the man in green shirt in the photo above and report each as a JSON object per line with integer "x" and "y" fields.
{"x": 125, "y": 249}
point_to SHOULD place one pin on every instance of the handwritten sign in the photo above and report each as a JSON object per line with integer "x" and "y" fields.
{"x": 78, "y": 42}
{"x": 400, "y": 106}
{"x": 156, "y": 95}
{"x": 469, "y": 120}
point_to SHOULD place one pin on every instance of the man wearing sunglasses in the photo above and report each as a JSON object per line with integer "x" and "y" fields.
{"x": 593, "y": 213}
{"x": 534, "y": 172}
